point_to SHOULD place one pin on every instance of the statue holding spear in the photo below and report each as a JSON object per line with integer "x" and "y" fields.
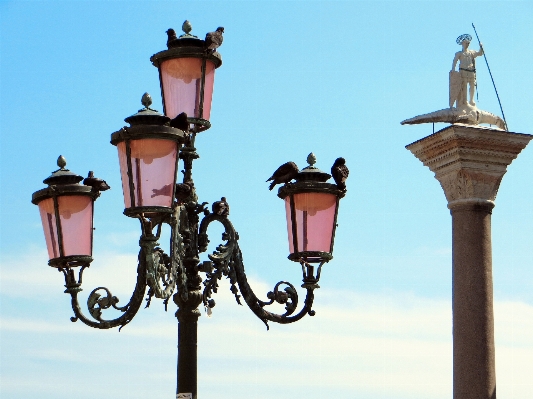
{"x": 466, "y": 76}
{"x": 462, "y": 87}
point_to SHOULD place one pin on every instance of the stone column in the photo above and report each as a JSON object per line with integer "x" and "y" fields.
{"x": 469, "y": 162}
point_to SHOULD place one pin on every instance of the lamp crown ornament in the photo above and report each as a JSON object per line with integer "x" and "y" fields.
{"x": 61, "y": 162}
{"x": 186, "y": 28}
{"x": 147, "y": 115}
{"x": 311, "y": 159}
{"x": 62, "y": 176}
{"x": 146, "y": 100}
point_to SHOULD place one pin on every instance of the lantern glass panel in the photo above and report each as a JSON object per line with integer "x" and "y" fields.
{"x": 153, "y": 164}
{"x": 48, "y": 218}
{"x": 76, "y": 218}
{"x": 315, "y": 216}
{"x": 182, "y": 79}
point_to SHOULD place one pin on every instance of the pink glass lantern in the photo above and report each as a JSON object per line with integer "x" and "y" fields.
{"x": 66, "y": 209}
{"x": 148, "y": 157}
{"x": 187, "y": 77}
{"x": 311, "y": 207}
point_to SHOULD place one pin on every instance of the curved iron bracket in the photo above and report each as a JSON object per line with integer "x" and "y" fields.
{"x": 227, "y": 261}
{"x": 96, "y": 303}
{"x": 156, "y": 270}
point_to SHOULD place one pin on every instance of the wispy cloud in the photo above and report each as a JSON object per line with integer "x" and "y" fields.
{"x": 358, "y": 345}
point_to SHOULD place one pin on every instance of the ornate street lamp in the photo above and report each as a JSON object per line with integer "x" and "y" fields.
{"x": 148, "y": 157}
{"x": 149, "y": 151}
{"x": 66, "y": 209}
{"x": 311, "y": 205}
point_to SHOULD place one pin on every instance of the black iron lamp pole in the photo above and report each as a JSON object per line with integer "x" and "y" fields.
{"x": 150, "y": 150}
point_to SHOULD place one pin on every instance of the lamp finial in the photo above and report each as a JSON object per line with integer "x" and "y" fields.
{"x": 146, "y": 100}
{"x": 61, "y": 162}
{"x": 186, "y": 27}
{"x": 311, "y": 159}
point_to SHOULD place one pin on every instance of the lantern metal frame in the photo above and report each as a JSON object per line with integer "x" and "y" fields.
{"x": 177, "y": 275}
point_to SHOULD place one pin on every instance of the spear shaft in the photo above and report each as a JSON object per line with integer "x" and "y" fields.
{"x": 491, "y": 78}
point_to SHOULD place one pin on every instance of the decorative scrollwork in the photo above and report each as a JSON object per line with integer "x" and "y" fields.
{"x": 96, "y": 303}
{"x": 289, "y": 297}
{"x": 227, "y": 261}
{"x": 160, "y": 274}
{"x": 220, "y": 258}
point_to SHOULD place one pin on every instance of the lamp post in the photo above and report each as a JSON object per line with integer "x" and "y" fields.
{"x": 149, "y": 150}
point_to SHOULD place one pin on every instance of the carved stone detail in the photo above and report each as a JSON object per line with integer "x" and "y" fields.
{"x": 469, "y": 161}
{"x": 466, "y": 184}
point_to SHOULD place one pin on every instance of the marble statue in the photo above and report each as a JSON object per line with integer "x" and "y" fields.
{"x": 466, "y": 75}
{"x": 461, "y": 94}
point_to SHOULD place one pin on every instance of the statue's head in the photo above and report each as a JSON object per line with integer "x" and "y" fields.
{"x": 464, "y": 39}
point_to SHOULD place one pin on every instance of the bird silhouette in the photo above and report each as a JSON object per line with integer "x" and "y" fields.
{"x": 340, "y": 173}
{"x": 221, "y": 207}
{"x": 183, "y": 190}
{"x": 95, "y": 183}
{"x": 213, "y": 40}
{"x": 284, "y": 174}
{"x": 171, "y": 33}
{"x": 180, "y": 122}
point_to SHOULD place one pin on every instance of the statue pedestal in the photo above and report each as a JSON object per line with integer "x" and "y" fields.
{"x": 469, "y": 162}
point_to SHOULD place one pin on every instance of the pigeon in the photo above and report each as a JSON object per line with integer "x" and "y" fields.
{"x": 213, "y": 40}
{"x": 180, "y": 122}
{"x": 221, "y": 207}
{"x": 284, "y": 174}
{"x": 95, "y": 183}
{"x": 183, "y": 190}
{"x": 171, "y": 36}
{"x": 340, "y": 173}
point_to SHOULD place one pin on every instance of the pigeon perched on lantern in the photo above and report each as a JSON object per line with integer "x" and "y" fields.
{"x": 180, "y": 122}
{"x": 340, "y": 172}
{"x": 213, "y": 40}
{"x": 284, "y": 174}
{"x": 171, "y": 36}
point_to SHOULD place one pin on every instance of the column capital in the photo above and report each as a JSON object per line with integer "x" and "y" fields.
{"x": 469, "y": 161}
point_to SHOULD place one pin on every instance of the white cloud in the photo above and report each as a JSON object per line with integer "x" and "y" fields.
{"x": 358, "y": 345}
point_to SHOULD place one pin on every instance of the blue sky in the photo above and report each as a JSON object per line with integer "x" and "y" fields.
{"x": 331, "y": 77}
